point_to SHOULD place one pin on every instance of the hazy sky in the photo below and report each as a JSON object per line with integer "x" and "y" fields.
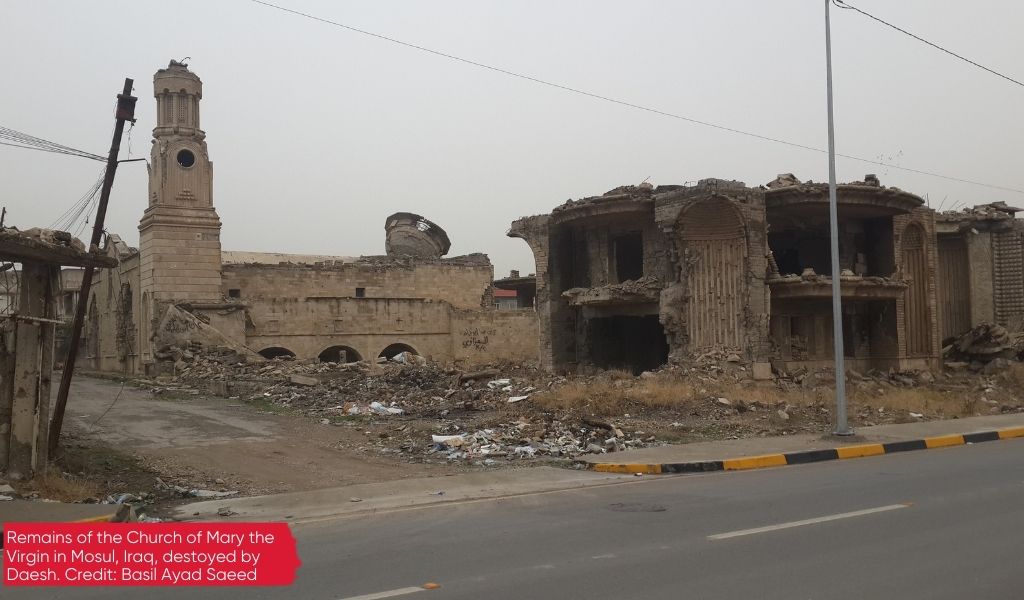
{"x": 318, "y": 133}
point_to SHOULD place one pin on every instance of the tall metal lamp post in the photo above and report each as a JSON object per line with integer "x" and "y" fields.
{"x": 842, "y": 427}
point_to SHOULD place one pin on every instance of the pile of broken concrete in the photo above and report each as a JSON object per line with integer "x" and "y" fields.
{"x": 987, "y": 348}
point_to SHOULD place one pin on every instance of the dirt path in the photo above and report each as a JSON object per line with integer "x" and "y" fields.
{"x": 196, "y": 440}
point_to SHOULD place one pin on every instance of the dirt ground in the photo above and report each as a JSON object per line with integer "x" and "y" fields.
{"x": 158, "y": 440}
{"x": 120, "y": 439}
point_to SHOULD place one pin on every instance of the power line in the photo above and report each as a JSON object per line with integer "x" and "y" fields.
{"x": 844, "y": 5}
{"x": 80, "y": 207}
{"x": 625, "y": 103}
{"x": 18, "y": 139}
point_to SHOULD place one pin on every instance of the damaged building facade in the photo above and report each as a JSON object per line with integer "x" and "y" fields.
{"x": 644, "y": 275}
{"x": 180, "y": 287}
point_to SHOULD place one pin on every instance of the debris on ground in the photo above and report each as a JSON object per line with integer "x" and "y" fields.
{"x": 984, "y": 344}
{"x": 416, "y": 411}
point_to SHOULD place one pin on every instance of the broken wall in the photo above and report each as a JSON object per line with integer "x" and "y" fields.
{"x": 464, "y": 282}
{"x": 481, "y": 337}
{"x": 917, "y": 311}
{"x": 719, "y": 299}
{"x": 309, "y": 326}
{"x": 112, "y": 337}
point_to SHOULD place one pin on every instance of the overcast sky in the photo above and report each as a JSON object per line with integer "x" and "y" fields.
{"x": 318, "y": 133}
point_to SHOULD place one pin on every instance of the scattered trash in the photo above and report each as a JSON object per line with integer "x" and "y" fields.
{"x": 4, "y": 498}
{"x": 354, "y": 499}
{"x": 453, "y": 441}
{"x": 515, "y": 399}
{"x": 379, "y": 409}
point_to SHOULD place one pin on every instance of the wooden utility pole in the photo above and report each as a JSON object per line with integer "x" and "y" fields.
{"x": 125, "y": 112}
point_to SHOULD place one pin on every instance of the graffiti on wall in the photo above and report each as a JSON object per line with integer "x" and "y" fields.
{"x": 477, "y": 338}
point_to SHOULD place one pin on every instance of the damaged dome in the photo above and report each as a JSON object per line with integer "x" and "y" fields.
{"x": 410, "y": 234}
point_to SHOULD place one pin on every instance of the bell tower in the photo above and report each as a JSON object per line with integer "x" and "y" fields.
{"x": 179, "y": 234}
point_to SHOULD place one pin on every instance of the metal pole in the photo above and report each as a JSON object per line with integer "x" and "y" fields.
{"x": 125, "y": 112}
{"x": 842, "y": 428}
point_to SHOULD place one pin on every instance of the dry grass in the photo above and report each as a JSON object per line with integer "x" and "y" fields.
{"x": 64, "y": 487}
{"x": 615, "y": 395}
{"x": 1012, "y": 378}
{"x": 918, "y": 400}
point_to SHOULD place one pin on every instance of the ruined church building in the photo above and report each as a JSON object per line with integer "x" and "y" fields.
{"x": 643, "y": 275}
{"x": 632, "y": 279}
{"x": 179, "y": 287}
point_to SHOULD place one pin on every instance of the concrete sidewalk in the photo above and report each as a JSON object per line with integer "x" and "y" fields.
{"x": 702, "y": 456}
{"x": 298, "y": 507}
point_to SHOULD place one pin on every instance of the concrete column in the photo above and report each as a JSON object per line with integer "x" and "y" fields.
{"x": 7, "y": 345}
{"x": 980, "y": 258}
{"x": 30, "y": 410}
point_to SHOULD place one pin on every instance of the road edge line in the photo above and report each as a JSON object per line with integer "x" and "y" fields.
{"x": 763, "y": 461}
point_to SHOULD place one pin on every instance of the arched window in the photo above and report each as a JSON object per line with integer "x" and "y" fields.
{"x": 340, "y": 354}
{"x": 276, "y": 352}
{"x": 395, "y": 349}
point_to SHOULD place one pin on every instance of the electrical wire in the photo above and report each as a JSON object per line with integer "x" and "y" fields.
{"x": 72, "y": 214}
{"x": 846, "y": 6}
{"x": 18, "y": 139}
{"x": 628, "y": 104}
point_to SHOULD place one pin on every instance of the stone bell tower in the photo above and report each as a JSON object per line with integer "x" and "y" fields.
{"x": 179, "y": 234}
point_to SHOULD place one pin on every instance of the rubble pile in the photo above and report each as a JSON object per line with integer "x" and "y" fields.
{"x": 986, "y": 347}
{"x": 409, "y": 409}
{"x": 430, "y": 412}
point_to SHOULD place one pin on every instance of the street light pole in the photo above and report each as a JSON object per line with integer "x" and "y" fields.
{"x": 842, "y": 428}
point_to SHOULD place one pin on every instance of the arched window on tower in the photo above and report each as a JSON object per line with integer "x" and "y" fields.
{"x": 182, "y": 107}
{"x": 168, "y": 108}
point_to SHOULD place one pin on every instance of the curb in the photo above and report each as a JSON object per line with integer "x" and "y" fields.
{"x": 810, "y": 456}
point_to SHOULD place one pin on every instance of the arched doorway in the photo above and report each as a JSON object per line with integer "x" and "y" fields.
{"x": 276, "y": 352}
{"x": 715, "y": 252}
{"x": 395, "y": 349}
{"x": 340, "y": 354}
{"x": 917, "y": 322}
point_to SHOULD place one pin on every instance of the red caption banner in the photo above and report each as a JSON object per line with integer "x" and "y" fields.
{"x": 71, "y": 554}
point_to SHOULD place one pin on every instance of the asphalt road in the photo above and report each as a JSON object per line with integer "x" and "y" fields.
{"x": 935, "y": 524}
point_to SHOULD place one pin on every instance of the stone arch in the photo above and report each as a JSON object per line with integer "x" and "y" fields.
{"x": 276, "y": 352}
{"x": 714, "y": 251}
{"x": 916, "y": 313}
{"x": 333, "y": 354}
{"x": 393, "y": 350}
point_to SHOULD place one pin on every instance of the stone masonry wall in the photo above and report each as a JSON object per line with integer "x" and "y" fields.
{"x": 463, "y": 285}
{"x": 111, "y": 335}
{"x": 480, "y": 337}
